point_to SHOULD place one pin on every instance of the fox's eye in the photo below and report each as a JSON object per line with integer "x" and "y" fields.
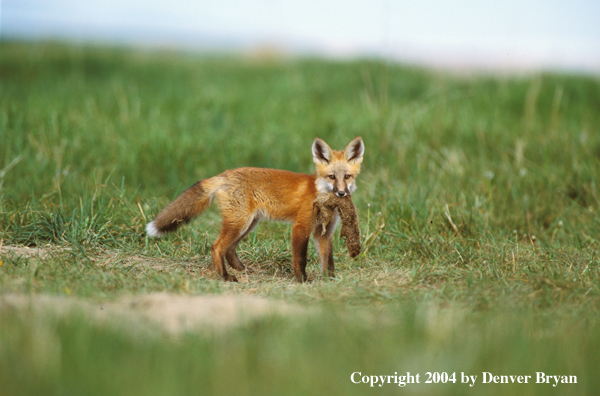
{"x": 347, "y": 177}
{"x": 332, "y": 177}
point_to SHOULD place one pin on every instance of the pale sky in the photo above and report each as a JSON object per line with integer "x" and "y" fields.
{"x": 562, "y": 34}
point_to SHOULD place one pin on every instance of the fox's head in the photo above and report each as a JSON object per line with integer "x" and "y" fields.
{"x": 337, "y": 170}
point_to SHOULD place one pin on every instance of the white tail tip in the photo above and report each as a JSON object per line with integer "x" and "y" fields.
{"x": 152, "y": 231}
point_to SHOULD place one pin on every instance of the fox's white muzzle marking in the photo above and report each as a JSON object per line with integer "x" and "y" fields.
{"x": 322, "y": 186}
{"x": 352, "y": 187}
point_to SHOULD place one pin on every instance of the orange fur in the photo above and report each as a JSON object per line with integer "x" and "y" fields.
{"x": 247, "y": 195}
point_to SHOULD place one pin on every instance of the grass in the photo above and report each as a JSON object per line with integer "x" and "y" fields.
{"x": 478, "y": 200}
{"x": 285, "y": 356}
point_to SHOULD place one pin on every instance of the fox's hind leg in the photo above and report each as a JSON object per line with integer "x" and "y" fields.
{"x": 232, "y": 232}
{"x": 232, "y": 257}
{"x": 228, "y": 237}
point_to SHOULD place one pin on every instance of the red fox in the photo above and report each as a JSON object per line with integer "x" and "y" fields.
{"x": 247, "y": 195}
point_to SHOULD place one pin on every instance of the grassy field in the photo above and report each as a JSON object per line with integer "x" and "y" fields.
{"x": 478, "y": 200}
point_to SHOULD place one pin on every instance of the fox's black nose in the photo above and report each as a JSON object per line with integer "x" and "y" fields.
{"x": 341, "y": 193}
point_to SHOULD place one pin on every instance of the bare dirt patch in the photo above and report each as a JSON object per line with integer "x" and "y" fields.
{"x": 25, "y": 251}
{"x": 179, "y": 313}
{"x": 173, "y": 313}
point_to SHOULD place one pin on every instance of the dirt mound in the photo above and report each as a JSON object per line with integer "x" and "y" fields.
{"x": 179, "y": 313}
{"x": 173, "y": 313}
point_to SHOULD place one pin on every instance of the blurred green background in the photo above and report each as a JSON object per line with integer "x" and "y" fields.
{"x": 478, "y": 197}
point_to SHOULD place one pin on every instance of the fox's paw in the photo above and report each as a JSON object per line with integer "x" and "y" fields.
{"x": 230, "y": 278}
{"x": 302, "y": 278}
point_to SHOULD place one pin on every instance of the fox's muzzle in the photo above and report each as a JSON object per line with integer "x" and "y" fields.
{"x": 340, "y": 192}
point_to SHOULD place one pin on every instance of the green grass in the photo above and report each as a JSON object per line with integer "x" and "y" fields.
{"x": 478, "y": 198}
{"x": 277, "y": 356}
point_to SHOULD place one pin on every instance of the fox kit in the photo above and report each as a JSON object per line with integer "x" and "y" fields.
{"x": 247, "y": 195}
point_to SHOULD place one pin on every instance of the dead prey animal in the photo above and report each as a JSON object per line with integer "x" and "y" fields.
{"x": 324, "y": 207}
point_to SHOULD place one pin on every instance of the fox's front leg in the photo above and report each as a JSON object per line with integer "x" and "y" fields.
{"x": 300, "y": 236}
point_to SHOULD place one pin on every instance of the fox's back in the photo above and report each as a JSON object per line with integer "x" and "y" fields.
{"x": 269, "y": 193}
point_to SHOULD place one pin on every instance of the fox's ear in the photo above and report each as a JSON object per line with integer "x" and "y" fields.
{"x": 322, "y": 153}
{"x": 354, "y": 151}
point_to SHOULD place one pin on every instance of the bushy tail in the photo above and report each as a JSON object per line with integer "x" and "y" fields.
{"x": 188, "y": 205}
